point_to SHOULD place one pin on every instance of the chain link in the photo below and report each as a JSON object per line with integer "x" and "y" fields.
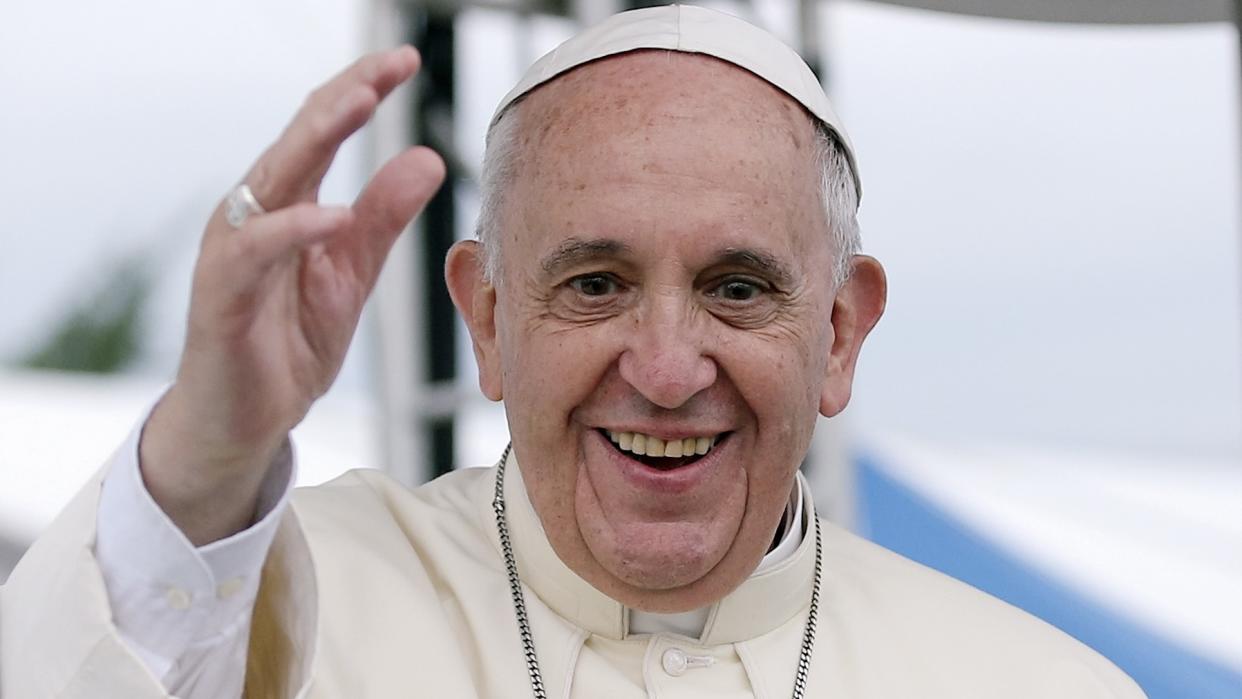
{"x": 519, "y": 600}
{"x": 808, "y": 635}
{"x": 515, "y": 585}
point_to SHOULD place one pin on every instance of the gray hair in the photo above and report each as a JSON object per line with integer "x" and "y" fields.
{"x": 836, "y": 185}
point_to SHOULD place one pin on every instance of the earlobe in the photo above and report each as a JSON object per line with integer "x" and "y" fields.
{"x": 475, "y": 299}
{"x": 858, "y": 306}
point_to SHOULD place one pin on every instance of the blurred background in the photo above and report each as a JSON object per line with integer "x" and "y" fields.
{"x": 1051, "y": 409}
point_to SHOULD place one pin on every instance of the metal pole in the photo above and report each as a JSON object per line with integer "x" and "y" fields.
{"x": 434, "y": 34}
{"x": 808, "y": 36}
{"x": 1237, "y": 26}
{"x": 396, "y": 305}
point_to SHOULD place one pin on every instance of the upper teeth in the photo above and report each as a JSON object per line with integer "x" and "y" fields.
{"x": 646, "y": 445}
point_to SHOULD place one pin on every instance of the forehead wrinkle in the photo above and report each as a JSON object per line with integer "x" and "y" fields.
{"x": 576, "y": 251}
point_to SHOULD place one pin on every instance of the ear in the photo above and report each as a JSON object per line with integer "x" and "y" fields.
{"x": 858, "y": 305}
{"x": 475, "y": 300}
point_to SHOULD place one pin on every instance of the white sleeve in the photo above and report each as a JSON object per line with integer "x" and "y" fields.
{"x": 184, "y": 611}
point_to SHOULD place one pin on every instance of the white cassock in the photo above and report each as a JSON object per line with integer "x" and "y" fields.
{"x": 373, "y": 590}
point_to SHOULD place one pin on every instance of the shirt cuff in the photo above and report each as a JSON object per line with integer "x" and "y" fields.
{"x": 166, "y": 595}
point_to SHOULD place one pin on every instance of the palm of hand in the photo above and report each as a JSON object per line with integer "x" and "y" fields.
{"x": 275, "y": 303}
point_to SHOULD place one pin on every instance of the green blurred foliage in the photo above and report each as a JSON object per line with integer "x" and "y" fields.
{"x": 103, "y": 334}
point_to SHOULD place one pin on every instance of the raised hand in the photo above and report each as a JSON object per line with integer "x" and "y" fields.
{"x": 275, "y": 304}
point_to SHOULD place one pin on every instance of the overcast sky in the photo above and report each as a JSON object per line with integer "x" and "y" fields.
{"x": 1056, "y": 206}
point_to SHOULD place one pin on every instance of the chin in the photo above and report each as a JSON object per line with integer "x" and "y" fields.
{"x": 660, "y": 556}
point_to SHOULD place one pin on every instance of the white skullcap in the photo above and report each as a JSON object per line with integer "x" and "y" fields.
{"x": 692, "y": 30}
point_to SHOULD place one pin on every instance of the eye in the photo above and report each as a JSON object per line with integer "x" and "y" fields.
{"x": 594, "y": 285}
{"x": 736, "y": 289}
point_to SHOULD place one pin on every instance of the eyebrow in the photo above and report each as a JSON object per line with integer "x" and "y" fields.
{"x": 576, "y": 251}
{"x": 758, "y": 261}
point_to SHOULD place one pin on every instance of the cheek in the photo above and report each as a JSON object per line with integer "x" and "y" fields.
{"x": 555, "y": 369}
{"x": 780, "y": 378}
{"x": 784, "y": 358}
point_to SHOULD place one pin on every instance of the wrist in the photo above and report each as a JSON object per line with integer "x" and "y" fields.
{"x": 208, "y": 487}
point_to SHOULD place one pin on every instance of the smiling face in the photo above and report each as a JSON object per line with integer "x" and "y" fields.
{"x": 665, "y": 287}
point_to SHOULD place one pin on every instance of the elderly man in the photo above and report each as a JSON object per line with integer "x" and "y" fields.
{"x": 665, "y": 292}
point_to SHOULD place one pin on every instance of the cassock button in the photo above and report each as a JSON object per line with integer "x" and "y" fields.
{"x": 674, "y": 662}
{"x": 178, "y": 599}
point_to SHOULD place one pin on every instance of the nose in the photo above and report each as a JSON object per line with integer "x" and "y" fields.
{"x": 665, "y": 357}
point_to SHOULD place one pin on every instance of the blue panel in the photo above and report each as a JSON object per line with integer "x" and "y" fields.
{"x": 896, "y": 517}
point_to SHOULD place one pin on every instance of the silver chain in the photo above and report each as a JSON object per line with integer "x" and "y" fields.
{"x": 808, "y": 634}
{"x": 519, "y": 601}
{"x": 515, "y": 585}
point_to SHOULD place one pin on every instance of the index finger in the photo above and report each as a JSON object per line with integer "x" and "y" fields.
{"x": 292, "y": 167}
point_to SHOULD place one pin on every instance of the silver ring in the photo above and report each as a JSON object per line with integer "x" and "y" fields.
{"x": 240, "y": 204}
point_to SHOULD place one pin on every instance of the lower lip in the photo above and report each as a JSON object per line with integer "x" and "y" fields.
{"x": 673, "y": 481}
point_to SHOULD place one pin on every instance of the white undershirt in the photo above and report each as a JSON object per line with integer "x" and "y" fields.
{"x": 184, "y": 611}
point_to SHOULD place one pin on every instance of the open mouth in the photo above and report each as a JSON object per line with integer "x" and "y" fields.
{"x": 660, "y": 454}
